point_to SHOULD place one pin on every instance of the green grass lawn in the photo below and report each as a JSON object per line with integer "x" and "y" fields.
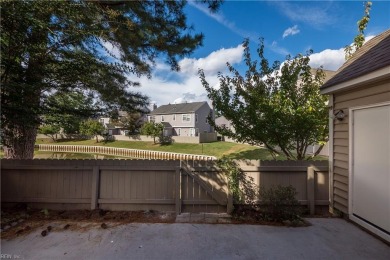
{"x": 217, "y": 149}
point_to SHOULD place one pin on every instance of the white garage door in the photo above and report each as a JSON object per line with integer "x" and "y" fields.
{"x": 370, "y": 168}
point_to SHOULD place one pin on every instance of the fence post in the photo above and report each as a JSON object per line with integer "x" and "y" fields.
{"x": 311, "y": 190}
{"x": 230, "y": 206}
{"x": 95, "y": 187}
{"x": 178, "y": 190}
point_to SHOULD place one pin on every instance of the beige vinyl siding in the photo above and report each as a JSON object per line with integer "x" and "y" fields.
{"x": 366, "y": 95}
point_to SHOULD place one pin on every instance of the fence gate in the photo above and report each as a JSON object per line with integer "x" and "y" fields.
{"x": 204, "y": 189}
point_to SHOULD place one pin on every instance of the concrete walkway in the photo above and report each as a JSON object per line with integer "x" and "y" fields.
{"x": 325, "y": 239}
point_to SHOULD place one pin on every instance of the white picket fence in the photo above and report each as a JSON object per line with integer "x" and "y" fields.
{"x": 123, "y": 152}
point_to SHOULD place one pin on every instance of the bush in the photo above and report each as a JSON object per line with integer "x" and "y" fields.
{"x": 279, "y": 204}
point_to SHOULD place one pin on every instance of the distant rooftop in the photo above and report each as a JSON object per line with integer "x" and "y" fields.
{"x": 178, "y": 108}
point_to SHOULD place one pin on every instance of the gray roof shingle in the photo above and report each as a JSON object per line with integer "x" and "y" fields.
{"x": 373, "y": 55}
{"x": 177, "y": 108}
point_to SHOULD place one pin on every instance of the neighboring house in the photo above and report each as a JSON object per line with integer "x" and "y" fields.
{"x": 359, "y": 100}
{"x": 223, "y": 122}
{"x": 111, "y": 129}
{"x": 186, "y": 119}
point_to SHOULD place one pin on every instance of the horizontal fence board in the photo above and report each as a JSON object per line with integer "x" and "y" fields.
{"x": 45, "y": 200}
{"x": 45, "y": 167}
{"x": 199, "y": 202}
{"x": 137, "y": 201}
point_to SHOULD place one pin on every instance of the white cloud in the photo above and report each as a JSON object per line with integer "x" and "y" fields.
{"x": 329, "y": 59}
{"x": 214, "y": 62}
{"x": 276, "y": 48}
{"x": 291, "y": 31}
{"x": 316, "y": 16}
{"x": 167, "y": 86}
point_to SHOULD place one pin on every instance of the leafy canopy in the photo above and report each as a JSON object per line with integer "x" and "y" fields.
{"x": 91, "y": 128}
{"x": 277, "y": 106}
{"x": 152, "y": 129}
{"x": 67, "y": 110}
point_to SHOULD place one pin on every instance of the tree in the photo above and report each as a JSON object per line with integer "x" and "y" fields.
{"x": 279, "y": 106}
{"x": 50, "y": 130}
{"x": 91, "y": 128}
{"x": 152, "y": 129}
{"x": 50, "y": 46}
{"x": 68, "y": 109}
{"x": 359, "y": 39}
{"x": 129, "y": 121}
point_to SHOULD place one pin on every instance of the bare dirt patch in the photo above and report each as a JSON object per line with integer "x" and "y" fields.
{"x": 18, "y": 222}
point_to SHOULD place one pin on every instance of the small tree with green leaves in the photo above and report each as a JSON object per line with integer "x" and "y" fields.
{"x": 152, "y": 129}
{"x": 91, "y": 128}
{"x": 359, "y": 39}
{"x": 278, "y": 106}
{"x": 50, "y": 130}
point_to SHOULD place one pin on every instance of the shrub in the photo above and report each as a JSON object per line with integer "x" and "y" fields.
{"x": 279, "y": 204}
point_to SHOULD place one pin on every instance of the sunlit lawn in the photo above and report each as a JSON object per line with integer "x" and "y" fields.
{"x": 217, "y": 149}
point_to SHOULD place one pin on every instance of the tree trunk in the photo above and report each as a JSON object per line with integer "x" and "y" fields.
{"x": 21, "y": 144}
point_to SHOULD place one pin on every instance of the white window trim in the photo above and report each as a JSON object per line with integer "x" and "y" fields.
{"x": 174, "y": 117}
{"x": 162, "y": 118}
{"x": 183, "y": 115}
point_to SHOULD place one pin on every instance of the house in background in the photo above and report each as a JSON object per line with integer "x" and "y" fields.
{"x": 223, "y": 122}
{"x": 359, "y": 159}
{"x": 118, "y": 129}
{"x": 186, "y": 119}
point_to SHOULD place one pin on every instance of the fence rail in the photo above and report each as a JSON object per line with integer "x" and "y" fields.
{"x": 150, "y": 184}
{"x": 124, "y": 152}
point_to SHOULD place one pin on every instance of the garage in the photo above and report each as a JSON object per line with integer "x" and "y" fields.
{"x": 370, "y": 167}
{"x": 359, "y": 137}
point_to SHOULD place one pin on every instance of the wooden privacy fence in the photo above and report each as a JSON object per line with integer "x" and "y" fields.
{"x": 149, "y": 184}
{"x": 132, "y": 153}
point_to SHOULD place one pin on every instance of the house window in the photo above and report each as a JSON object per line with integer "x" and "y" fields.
{"x": 186, "y": 118}
{"x": 179, "y": 131}
{"x": 174, "y": 117}
{"x": 162, "y": 118}
{"x": 151, "y": 119}
{"x": 196, "y": 118}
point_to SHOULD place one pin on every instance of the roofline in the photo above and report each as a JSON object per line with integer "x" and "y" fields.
{"x": 367, "y": 78}
{"x": 188, "y": 112}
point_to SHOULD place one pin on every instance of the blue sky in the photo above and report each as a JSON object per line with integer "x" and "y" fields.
{"x": 288, "y": 27}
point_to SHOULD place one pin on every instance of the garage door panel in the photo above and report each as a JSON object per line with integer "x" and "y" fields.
{"x": 371, "y": 166}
